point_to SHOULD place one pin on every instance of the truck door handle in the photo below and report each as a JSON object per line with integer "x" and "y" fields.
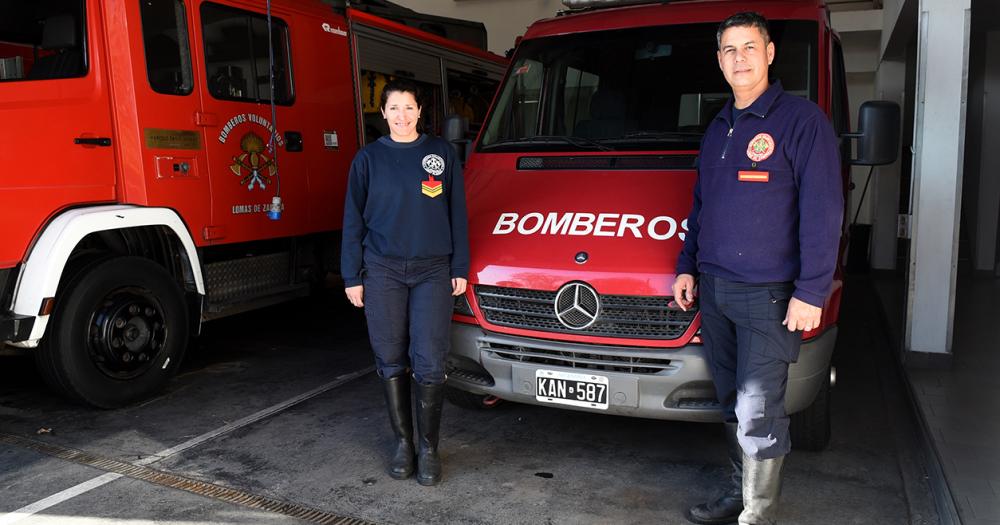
{"x": 293, "y": 141}
{"x": 99, "y": 141}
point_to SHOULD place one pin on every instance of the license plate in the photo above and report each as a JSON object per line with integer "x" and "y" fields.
{"x": 567, "y": 388}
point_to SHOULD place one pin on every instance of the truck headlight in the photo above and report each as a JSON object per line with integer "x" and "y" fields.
{"x": 462, "y": 306}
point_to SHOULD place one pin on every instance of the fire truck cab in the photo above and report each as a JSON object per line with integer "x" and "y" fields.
{"x": 173, "y": 161}
{"x": 579, "y": 190}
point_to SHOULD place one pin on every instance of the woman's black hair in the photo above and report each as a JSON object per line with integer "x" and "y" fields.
{"x": 400, "y": 85}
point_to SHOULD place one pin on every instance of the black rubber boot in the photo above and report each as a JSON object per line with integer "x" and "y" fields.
{"x": 430, "y": 399}
{"x": 761, "y": 489}
{"x": 727, "y": 508}
{"x": 397, "y": 398}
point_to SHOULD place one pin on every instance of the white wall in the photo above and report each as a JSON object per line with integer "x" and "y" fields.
{"x": 505, "y": 19}
{"x": 938, "y": 154}
{"x": 890, "y": 83}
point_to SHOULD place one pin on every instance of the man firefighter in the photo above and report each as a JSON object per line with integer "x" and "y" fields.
{"x": 764, "y": 232}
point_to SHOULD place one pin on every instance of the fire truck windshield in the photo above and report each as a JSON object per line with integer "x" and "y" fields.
{"x": 647, "y": 88}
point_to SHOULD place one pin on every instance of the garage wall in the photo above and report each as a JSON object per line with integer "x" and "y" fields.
{"x": 505, "y": 19}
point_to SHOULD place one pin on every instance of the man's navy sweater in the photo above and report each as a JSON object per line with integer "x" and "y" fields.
{"x": 774, "y": 219}
{"x": 393, "y": 207}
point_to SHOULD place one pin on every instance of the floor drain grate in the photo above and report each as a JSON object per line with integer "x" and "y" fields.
{"x": 165, "y": 479}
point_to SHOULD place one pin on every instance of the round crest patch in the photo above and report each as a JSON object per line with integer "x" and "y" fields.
{"x": 761, "y": 147}
{"x": 433, "y": 164}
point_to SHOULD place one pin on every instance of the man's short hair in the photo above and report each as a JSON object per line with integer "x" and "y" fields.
{"x": 744, "y": 19}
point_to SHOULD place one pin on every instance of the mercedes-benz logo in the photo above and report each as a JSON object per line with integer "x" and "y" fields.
{"x": 581, "y": 257}
{"x": 577, "y": 306}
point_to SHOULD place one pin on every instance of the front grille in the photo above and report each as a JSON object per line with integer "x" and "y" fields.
{"x": 590, "y": 359}
{"x": 470, "y": 377}
{"x": 626, "y": 316}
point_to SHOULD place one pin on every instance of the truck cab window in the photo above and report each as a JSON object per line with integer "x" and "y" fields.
{"x": 236, "y": 55}
{"x": 168, "y": 52}
{"x": 42, "y": 40}
{"x": 469, "y": 95}
{"x": 587, "y": 106}
{"x": 630, "y": 89}
{"x": 516, "y": 114}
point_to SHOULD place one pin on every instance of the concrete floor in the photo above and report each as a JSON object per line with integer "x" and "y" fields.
{"x": 958, "y": 404}
{"x": 511, "y": 464}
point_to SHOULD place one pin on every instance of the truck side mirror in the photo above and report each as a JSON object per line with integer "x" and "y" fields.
{"x": 878, "y": 133}
{"x": 456, "y": 132}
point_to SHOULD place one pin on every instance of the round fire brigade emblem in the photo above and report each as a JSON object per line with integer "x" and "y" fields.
{"x": 761, "y": 147}
{"x": 433, "y": 164}
{"x": 577, "y": 306}
{"x": 253, "y": 166}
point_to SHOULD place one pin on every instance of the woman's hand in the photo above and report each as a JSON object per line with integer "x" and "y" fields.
{"x": 458, "y": 286}
{"x": 355, "y": 294}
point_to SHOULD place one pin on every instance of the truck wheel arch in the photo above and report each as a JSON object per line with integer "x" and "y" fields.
{"x": 46, "y": 263}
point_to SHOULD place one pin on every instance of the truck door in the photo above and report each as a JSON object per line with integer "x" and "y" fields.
{"x": 247, "y": 164}
{"x": 57, "y": 141}
{"x": 175, "y": 172}
{"x": 330, "y": 133}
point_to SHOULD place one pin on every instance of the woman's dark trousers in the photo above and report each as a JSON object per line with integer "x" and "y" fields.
{"x": 408, "y": 305}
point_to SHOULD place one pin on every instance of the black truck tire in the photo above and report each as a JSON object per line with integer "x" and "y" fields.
{"x": 810, "y": 428}
{"x": 118, "y": 332}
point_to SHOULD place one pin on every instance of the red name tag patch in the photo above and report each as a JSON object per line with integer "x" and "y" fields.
{"x": 753, "y": 176}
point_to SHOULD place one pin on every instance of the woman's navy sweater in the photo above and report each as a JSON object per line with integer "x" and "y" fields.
{"x": 405, "y": 200}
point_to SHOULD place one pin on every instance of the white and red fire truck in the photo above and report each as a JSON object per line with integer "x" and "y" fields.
{"x": 167, "y": 162}
{"x": 579, "y": 188}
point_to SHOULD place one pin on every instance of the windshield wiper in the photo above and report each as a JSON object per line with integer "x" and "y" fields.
{"x": 655, "y": 136}
{"x": 579, "y": 142}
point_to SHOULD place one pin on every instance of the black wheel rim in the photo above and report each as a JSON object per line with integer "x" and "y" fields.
{"x": 127, "y": 333}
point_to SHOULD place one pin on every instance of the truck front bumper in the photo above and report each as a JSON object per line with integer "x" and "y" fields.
{"x": 678, "y": 385}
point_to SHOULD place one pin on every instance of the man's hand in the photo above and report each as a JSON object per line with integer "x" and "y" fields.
{"x": 355, "y": 295}
{"x": 458, "y": 286}
{"x": 684, "y": 291}
{"x": 801, "y": 316}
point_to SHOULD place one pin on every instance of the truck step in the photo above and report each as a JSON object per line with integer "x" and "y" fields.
{"x": 243, "y": 284}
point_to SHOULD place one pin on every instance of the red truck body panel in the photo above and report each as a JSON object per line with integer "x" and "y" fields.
{"x": 619, "y": 264}
{"x": 152, "y": 133}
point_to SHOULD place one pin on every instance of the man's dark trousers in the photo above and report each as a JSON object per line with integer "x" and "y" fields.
{"x": 748, "y": 351}
{"x": 408, "y": 304}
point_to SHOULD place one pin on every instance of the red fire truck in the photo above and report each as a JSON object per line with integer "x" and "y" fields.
{"x": 579, "y": 189}
{"x": 168, "y": 162}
